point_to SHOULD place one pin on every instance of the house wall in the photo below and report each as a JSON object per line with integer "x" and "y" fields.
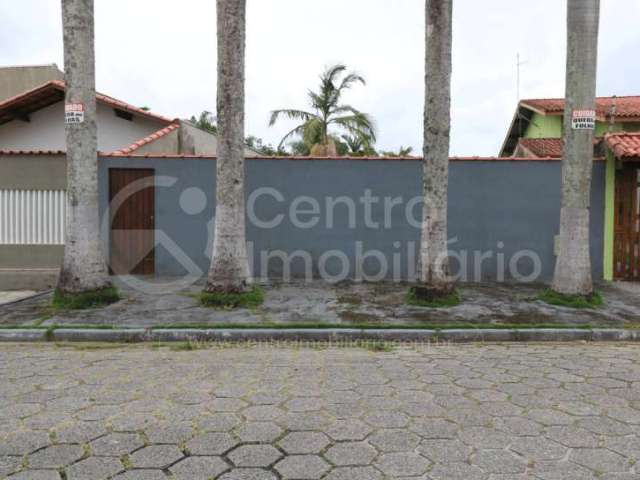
{"x": 168, "y": 144}
{"x": 45, "y": 130}
{"x": 502, "y": 215}
{"x": 550, "y": 126}
{"x": 544, "y": 126}
{"x": 15, "y": 80}
{"x": 195, "y": 141}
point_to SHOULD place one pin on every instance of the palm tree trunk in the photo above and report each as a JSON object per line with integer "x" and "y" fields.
{"x": 434, "y": 262}
{"x": 573, "y": 267}
{"x": 229, "y": 270}
{"x": 83, "y": 267}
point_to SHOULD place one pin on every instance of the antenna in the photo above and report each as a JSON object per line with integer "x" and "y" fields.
{"x": 612, "y": 113}
{"x": 518, "y": 65}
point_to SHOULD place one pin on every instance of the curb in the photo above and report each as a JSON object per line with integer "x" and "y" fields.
{"x": 139, "y": 335}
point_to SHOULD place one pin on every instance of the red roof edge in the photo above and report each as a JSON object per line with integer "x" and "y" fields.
{"x": 100, "y": 97}
{"x": 146, "y": 140}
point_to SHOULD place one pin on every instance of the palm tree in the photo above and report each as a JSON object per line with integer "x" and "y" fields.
{"x": 229, "y": 272}
{"x": 573, "y": 268}
{"x": 316, "y": 129}
{"x": 357, "y": 146}
{"x": 434, "y": 261}
{"x": 83, "y": 267}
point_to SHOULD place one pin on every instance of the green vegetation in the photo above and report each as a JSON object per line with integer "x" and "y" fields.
{"x": 319, "y": 325}
{"x": 377, "y": 346}
{"x": 251, "y": 299}
{"x": 85, "y": 300}
{"x": 350, "y": 299}
{"x": 447, "y": 301}
{"x": 572, "y": 301}
{"x": 318, "y": 132}
{"x": 207, "y": 122}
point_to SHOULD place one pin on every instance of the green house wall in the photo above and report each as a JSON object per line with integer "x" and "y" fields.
{"x": 550, "y": 126}
{"x": 544, "y": 126}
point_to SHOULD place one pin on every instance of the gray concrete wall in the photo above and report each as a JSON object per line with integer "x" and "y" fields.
{"x": 29, "y": 267}
{"x": 503, "y": 215}
{"x": 15, "y": 80}
{"x": 195, "y": 141}
{"x": 33, "y": 172}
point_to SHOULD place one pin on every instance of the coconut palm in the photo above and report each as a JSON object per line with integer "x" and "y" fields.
{"x": 356, "y": 146}
{"x": 229, "y": 272}
{"x": 83, "y": 267}
{"x": 573, "y": 268}
{"x": 329, "y": 117}
{"x": 434, "y": 261}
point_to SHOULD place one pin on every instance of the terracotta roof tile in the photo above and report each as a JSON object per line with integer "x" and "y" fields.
{"x": 32, "y": 152}
{"x": 146, "y": 140}
{"x": 625, "y": 107}
{"x": 50, "y": 92}
{"x": 547, "y": 147}
{"x": 624, "y": 145}
{"x": 543, "y": 147}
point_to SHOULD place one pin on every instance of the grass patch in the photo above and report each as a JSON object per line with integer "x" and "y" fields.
{"x": 377, "y": 346}
{"x": 228, "y": 301}
{"x": 349, "y": 300}
{"x": 188, "y": 346}
{"x": 319, "y": 326}
{"x": 447, "y": 301}
{"x": 85, "y": 300}
{"x": 370, "y": 326}
{"x": 572, "y": 301}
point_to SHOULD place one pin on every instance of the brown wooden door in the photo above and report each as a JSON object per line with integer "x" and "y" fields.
{"x": 132, "y": 210}
{"x": 626, "y": 246}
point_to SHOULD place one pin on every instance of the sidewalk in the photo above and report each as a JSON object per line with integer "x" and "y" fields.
{"x": 344, "y": 305}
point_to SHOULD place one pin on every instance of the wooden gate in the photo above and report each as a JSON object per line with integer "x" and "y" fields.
{"x": 626, "y": 253}
{"x": 132, "y": 210}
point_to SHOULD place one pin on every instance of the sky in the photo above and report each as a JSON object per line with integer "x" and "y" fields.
{"x": 162, "y": 54}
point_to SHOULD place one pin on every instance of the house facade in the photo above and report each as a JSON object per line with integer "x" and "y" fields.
{"x": 536, "y": 131}
{"x": 33, "y": 168}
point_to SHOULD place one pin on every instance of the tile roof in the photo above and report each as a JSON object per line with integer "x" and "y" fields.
{"x": 548, "y": 147}
{"x": 146, "y": 140}
{"x": 624, "y": 145}
{"x": 300, "y": 158}
{"x": 32, "y": 152}
{"x": 625, "y": 107}
{"x": 543, "y": 147}
{"x": 52, "y": 92}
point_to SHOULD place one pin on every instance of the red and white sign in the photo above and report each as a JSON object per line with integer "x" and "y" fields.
{"x": 583, "y": 120}
{"x": 74, "y": 113}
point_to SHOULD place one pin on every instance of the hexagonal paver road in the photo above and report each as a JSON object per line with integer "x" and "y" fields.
{"x": 493, "y": 412}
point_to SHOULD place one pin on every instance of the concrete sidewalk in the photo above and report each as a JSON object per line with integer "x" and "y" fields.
{"x": 344, "y": 305}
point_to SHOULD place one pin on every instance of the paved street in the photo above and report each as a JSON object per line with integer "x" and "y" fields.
{"x": 551, "y": 412}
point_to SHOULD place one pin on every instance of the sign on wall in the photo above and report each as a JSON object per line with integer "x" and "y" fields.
{"x": 74, "y": 113}
{"x": 583, "y": 120}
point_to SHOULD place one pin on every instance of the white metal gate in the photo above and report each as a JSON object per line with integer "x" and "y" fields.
{"x": 32, "y": 217}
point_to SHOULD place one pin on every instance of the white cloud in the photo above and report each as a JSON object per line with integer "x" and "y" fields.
{"x": 162, "y": 54}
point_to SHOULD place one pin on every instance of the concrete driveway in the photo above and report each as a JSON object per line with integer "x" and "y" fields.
{"x": 550, "y": 412}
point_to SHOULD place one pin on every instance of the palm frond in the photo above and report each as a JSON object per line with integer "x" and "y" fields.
{"x": 291, "y": 114}
{"x": 349, "y": 80}
{"x": 299, "y": 130}
{"x": 360, "y": 124}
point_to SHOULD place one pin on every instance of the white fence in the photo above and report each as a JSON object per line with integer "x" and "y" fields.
{"x": 32, "y": 217}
